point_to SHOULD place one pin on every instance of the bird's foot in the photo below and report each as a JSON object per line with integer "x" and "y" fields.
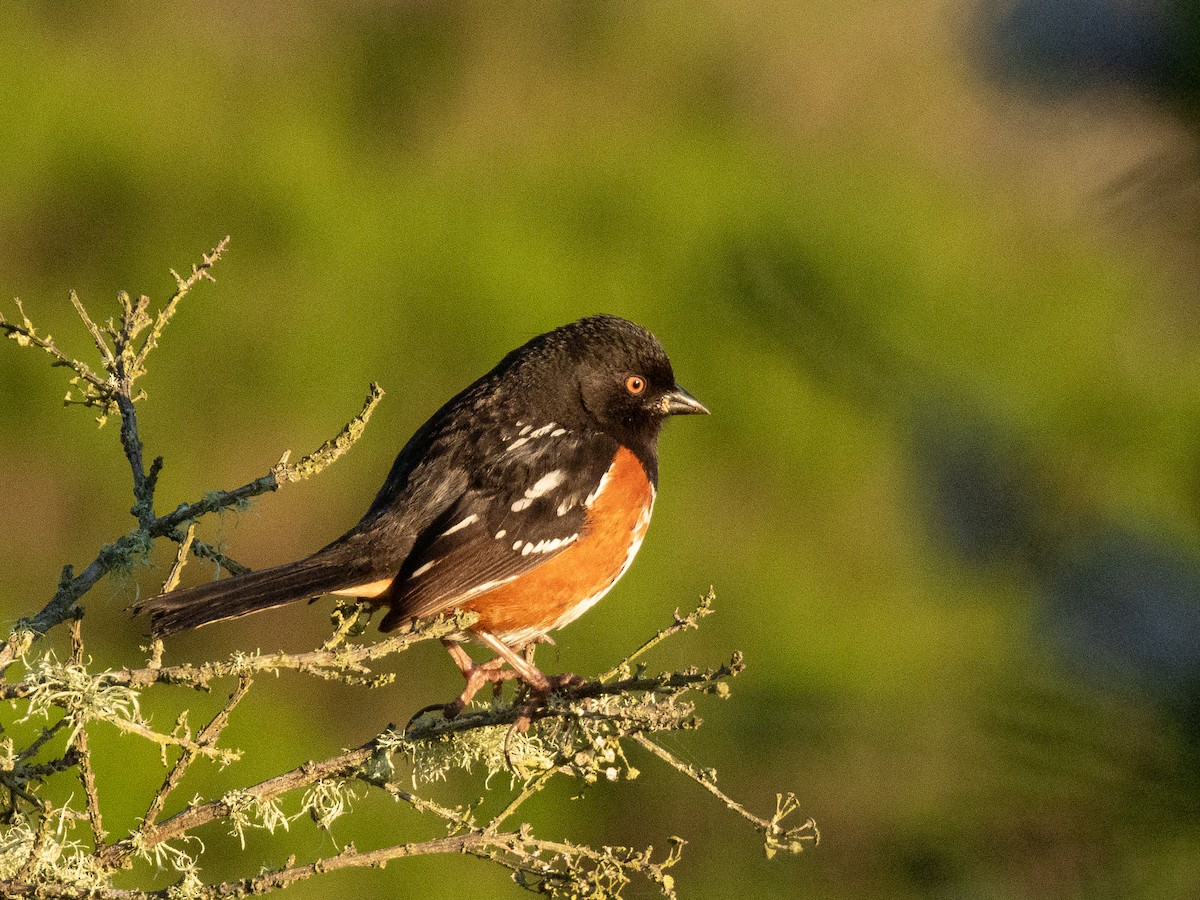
{"x": 537, "y": 696}
{"x": 477, "y": 675}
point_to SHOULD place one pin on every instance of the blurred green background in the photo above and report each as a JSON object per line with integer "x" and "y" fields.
{"x": 932, "y": 267}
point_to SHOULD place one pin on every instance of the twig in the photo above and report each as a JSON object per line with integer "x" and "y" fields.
{"x": 282, "y": 472}
{"x": 182, "y": 287}
{"x": 457, "y": 818}
{"x": 47, "y": 733}
{"x": 681, "y": 623}
{"x": 25, "y": 335}
{"x": 476, "y": 843}
{"x": 206, "y": 738}
{"x": 534, "y": 786}
{"x": 426, "y": 729}
{"x": 106, "y": 353}
{"x": 181, "y": 557}
{"x": 170, "y": 740}
{"x": 792, "y": 840}
{"x": 87, "y": 777}
{"x": 346, "y": 616}
{"x": 87, "y": 773}
{"x": 19, "y": 887}
{"x": 201, "y": 814}
{"x": 62, "y": 605}
{"x": 36, "y": 771}
{"x": 201, "y": 550}
{"x": 310, "y": 465}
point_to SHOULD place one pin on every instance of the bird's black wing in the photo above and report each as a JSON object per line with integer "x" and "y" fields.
{"x": 525, "y": 507}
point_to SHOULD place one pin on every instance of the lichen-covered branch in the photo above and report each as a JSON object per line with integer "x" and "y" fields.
{"x": 124, "y": 360}
{"x": 580, "y": 732}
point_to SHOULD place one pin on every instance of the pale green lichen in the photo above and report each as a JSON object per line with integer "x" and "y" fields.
{"x": 248, "y": 810}
{"x": 189, "y": 887}
{"x": 83, "y": 696}
{"x": 573, "y": 872}
{"x": 58, "y": 858}
{"x": 328, "y": 800}
{"x": 164, "y": 854}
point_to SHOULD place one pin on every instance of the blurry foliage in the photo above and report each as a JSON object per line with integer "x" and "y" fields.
{"x": 955, "y": 432}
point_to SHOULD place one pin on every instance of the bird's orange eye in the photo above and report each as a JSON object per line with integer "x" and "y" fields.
{"x": 635, "y": 384}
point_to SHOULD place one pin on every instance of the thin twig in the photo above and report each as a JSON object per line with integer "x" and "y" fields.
{"x": 169, "y": 740}
{"x": 181, "y": 557}
{"x": 25, "y": 335}
{"x": 40, "y": 836}
{"x": 775, "y": 836}
{"x": 534, "y": 786}
{"x": 207, "y": 737}
{"x": 106, "y": 353}
{"x": 701, "y": 778}
{"x": 87, "y": 777}
{"x": 202, "y": 813}
{"x": 87, "y": 773}
{"x": 201, "y": 550}
{"x": 182, "y": 287}
{"x": 475, "y": 843}
{"x": 131, "y": 441}
{"x": 62, "y": 605}
{"x": 47, "y": 733}
{"x": 169, "y": 584}
{"x": 19, "y": 887}
{"x": 681, "y": 623}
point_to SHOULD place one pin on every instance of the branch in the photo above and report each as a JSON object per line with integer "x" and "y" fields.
{"x": 775, "y": 837}
{"x": 87, "y": 774}
{"x": 207, "y": 738}
{"x": 136, "y": 544}
{"x": 282, "y": 472}
{"x": 681, "y": 623}
{"x": 476, "y": 843}
{"x": 26, "y": 336}
{"x": 567, "y": 705}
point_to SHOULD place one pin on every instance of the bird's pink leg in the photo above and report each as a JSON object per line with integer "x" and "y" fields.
{"x": 477, "y": 675}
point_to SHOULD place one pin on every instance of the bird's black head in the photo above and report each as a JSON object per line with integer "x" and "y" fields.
{"x": 620, "y": 381}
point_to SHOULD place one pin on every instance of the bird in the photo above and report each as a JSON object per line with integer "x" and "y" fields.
{"x": 522, "y": 500}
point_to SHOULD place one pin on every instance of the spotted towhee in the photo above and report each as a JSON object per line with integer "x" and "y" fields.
{"x": 523, "y": 500}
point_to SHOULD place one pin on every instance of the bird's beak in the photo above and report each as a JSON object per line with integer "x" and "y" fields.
{"x": 680, "y": 403}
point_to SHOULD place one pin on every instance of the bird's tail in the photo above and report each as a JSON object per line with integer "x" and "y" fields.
{"x": 229, "y": 598}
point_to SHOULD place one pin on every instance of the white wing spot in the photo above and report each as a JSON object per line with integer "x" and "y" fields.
{"x": 501, "y": 533}
{"x": 541, "y": 487}
{"x": 517, "y": 545}
{"x": 566, "y": 506}
{"x": 558, "y": 432}
{"x": 547, "y": 545}
{"x": 545, "y": 484}
{"x": 469, "y": 520}
{"x": 417, "y": 573}
{"x": 529, "y": 433}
